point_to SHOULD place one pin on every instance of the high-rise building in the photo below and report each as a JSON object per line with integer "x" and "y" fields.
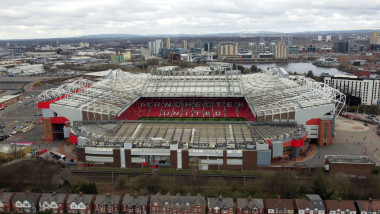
{"x": 166, "y": 42}
{"x": 185, "y": 47}
{"x": 208, "y": 46}
{"x": 340, "y": 37}
{"x": 283, "y": 39}
{"x": 282, "y": 51}
{"x": 350, "y": 44}
{"x": 227, "y": 49}
{"x": 272, "y": 47}
{"x": 340, "y": 47}
{"x": 328, "y": 38}
{"x": 320, "y": 38}
{"x": 290, "y": 41}
{"x": 262, "y": 39}
{"x": 155, "y": 46}
{"x": 251, "y": 47}
{"x": 262, "y": 47}
{"x": 374, "y": 39}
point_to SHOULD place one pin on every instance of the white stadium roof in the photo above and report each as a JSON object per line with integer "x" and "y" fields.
{"x": 271, "y": 92}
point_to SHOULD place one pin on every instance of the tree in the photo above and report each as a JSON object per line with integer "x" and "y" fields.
{"x": 255, "y": 69}
{"x": 88, "y": 188}
{"x": 356, "y": 63}
{"x": 321, "y": 187}
{"x": 310, "y": 74}
{"x": 121, "y": 181}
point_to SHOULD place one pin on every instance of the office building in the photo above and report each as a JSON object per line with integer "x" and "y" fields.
{"x": 340, "y": 47}
{"x": 290, "y": 41}
{"x": 283, "y": 39}
{"x": 320, "y": 38}
{"x": 166, "y": 42}
{"x": 121, "y": 57}
{"x": 262, "y": 39}
{"x": 294, "y": 50}
{"x": 227, "y": 49}
{"x": 374, "y": 38}
{"x": 208, "y": 46}
{"x": 350, "y": 44}
{"x": 359, "y": 90}
{"x": 251, "y": 47}
{"x": 185, "y": 47}
{"x": 155, "y": 46}
{"x": 262, "y": 47}
{"x": 328, "y": 38}
{"x": 272, "y": 47}
{"x": 340, "y": 37}
{"x": 282, "y": 51}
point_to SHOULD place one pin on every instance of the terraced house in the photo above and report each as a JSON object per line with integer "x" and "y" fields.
{"x": 53, "y": 202}
{"x": 173, "y": 204}
{"x": 134, "y": 204}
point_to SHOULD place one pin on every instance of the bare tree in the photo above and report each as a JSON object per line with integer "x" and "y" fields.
{"x": 194, "y": 167}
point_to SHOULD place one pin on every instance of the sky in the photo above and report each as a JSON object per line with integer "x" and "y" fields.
{"x": 30, "y": 19}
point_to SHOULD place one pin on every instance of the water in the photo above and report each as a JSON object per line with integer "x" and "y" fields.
{"x": 299, "y": 67}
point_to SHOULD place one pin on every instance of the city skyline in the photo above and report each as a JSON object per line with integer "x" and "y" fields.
{"x": 56, "y": 19}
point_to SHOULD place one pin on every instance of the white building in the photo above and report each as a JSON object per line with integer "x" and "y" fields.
{"x": 367, "y": 89}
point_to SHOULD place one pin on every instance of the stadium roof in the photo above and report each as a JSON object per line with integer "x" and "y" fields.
{"x": 270, "y": 92}
{"x": 148, "y": 134}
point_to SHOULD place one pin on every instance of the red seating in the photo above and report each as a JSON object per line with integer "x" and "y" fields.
{"x": 188, "y": 107}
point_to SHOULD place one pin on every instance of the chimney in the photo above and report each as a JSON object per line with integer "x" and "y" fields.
{"x": 54, "y": 193}
{"x": 1, "y": 191}
{"x": 108, "y": 195}
{"x": 27, "y": 192}
{"x": 220, "y": 197}
{"x": 370, "y": 200}
{"x": 339, "y": 200}
{"x": 249, "y": 198}
{"x": 135, "y": 195}
{"x": 80, "y": 194}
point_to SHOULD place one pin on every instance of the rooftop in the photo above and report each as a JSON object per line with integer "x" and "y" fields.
{"x": 348, "y": 159}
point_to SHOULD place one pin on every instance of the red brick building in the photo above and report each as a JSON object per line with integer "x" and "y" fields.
{"x": 5, "y": 201}
{"x": 249, "y": 206}
{"x": 133, "y": 204}
{"x": 221, "y": 205}
{"x": 172, "y": 204}
{"x": 53, "y": 202}
{"x": 340, "y": 207}
{"x": 107, "y": 204}
{"x": 80, "y": 203}
{"x": 278, "y": 205}
{"x": 25, "y": 202}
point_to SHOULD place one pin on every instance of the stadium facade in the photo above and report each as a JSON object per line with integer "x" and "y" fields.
{"x": 124, "y": 119}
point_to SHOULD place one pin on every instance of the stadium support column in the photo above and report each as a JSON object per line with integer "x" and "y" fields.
{"x": 48, "y": 128}
{"x": 128, "y": 155}
{"x": 325, "y": 132}
{"x": 249, "y": 159}
{"x": 173, "y": 155}
{"x": 224, "y": 160}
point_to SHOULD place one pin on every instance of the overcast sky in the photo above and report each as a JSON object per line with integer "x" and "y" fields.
{"x": 26, "y": 19}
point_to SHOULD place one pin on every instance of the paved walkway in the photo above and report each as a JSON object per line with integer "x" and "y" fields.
{"x": 352, "y": 138}
{"x": 63, "y": 149}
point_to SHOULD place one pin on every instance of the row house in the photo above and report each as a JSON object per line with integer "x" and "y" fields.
{"x": 53, "y": 202}
{"x": 221, "y": 205}
{"x": 340, "y": 207}
{"x": 249, "y": 206}
{"x": 177, "y": 204}
{"x": 80, "y": 203}
{"x": 134, "y": 204}
{"x": 6, "y": 201}
{"x": 279, "y": 206}
{"x": 312, "y": 205}
{"x": 26, "y": 202}
{"x": 368, "y": 207}
{"x": 107, "y": 204}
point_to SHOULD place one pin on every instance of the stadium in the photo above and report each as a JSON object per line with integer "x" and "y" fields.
{"x": 210, "y": 117}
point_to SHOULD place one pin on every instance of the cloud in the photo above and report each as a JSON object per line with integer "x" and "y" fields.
{"x": 23, "y": 19}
